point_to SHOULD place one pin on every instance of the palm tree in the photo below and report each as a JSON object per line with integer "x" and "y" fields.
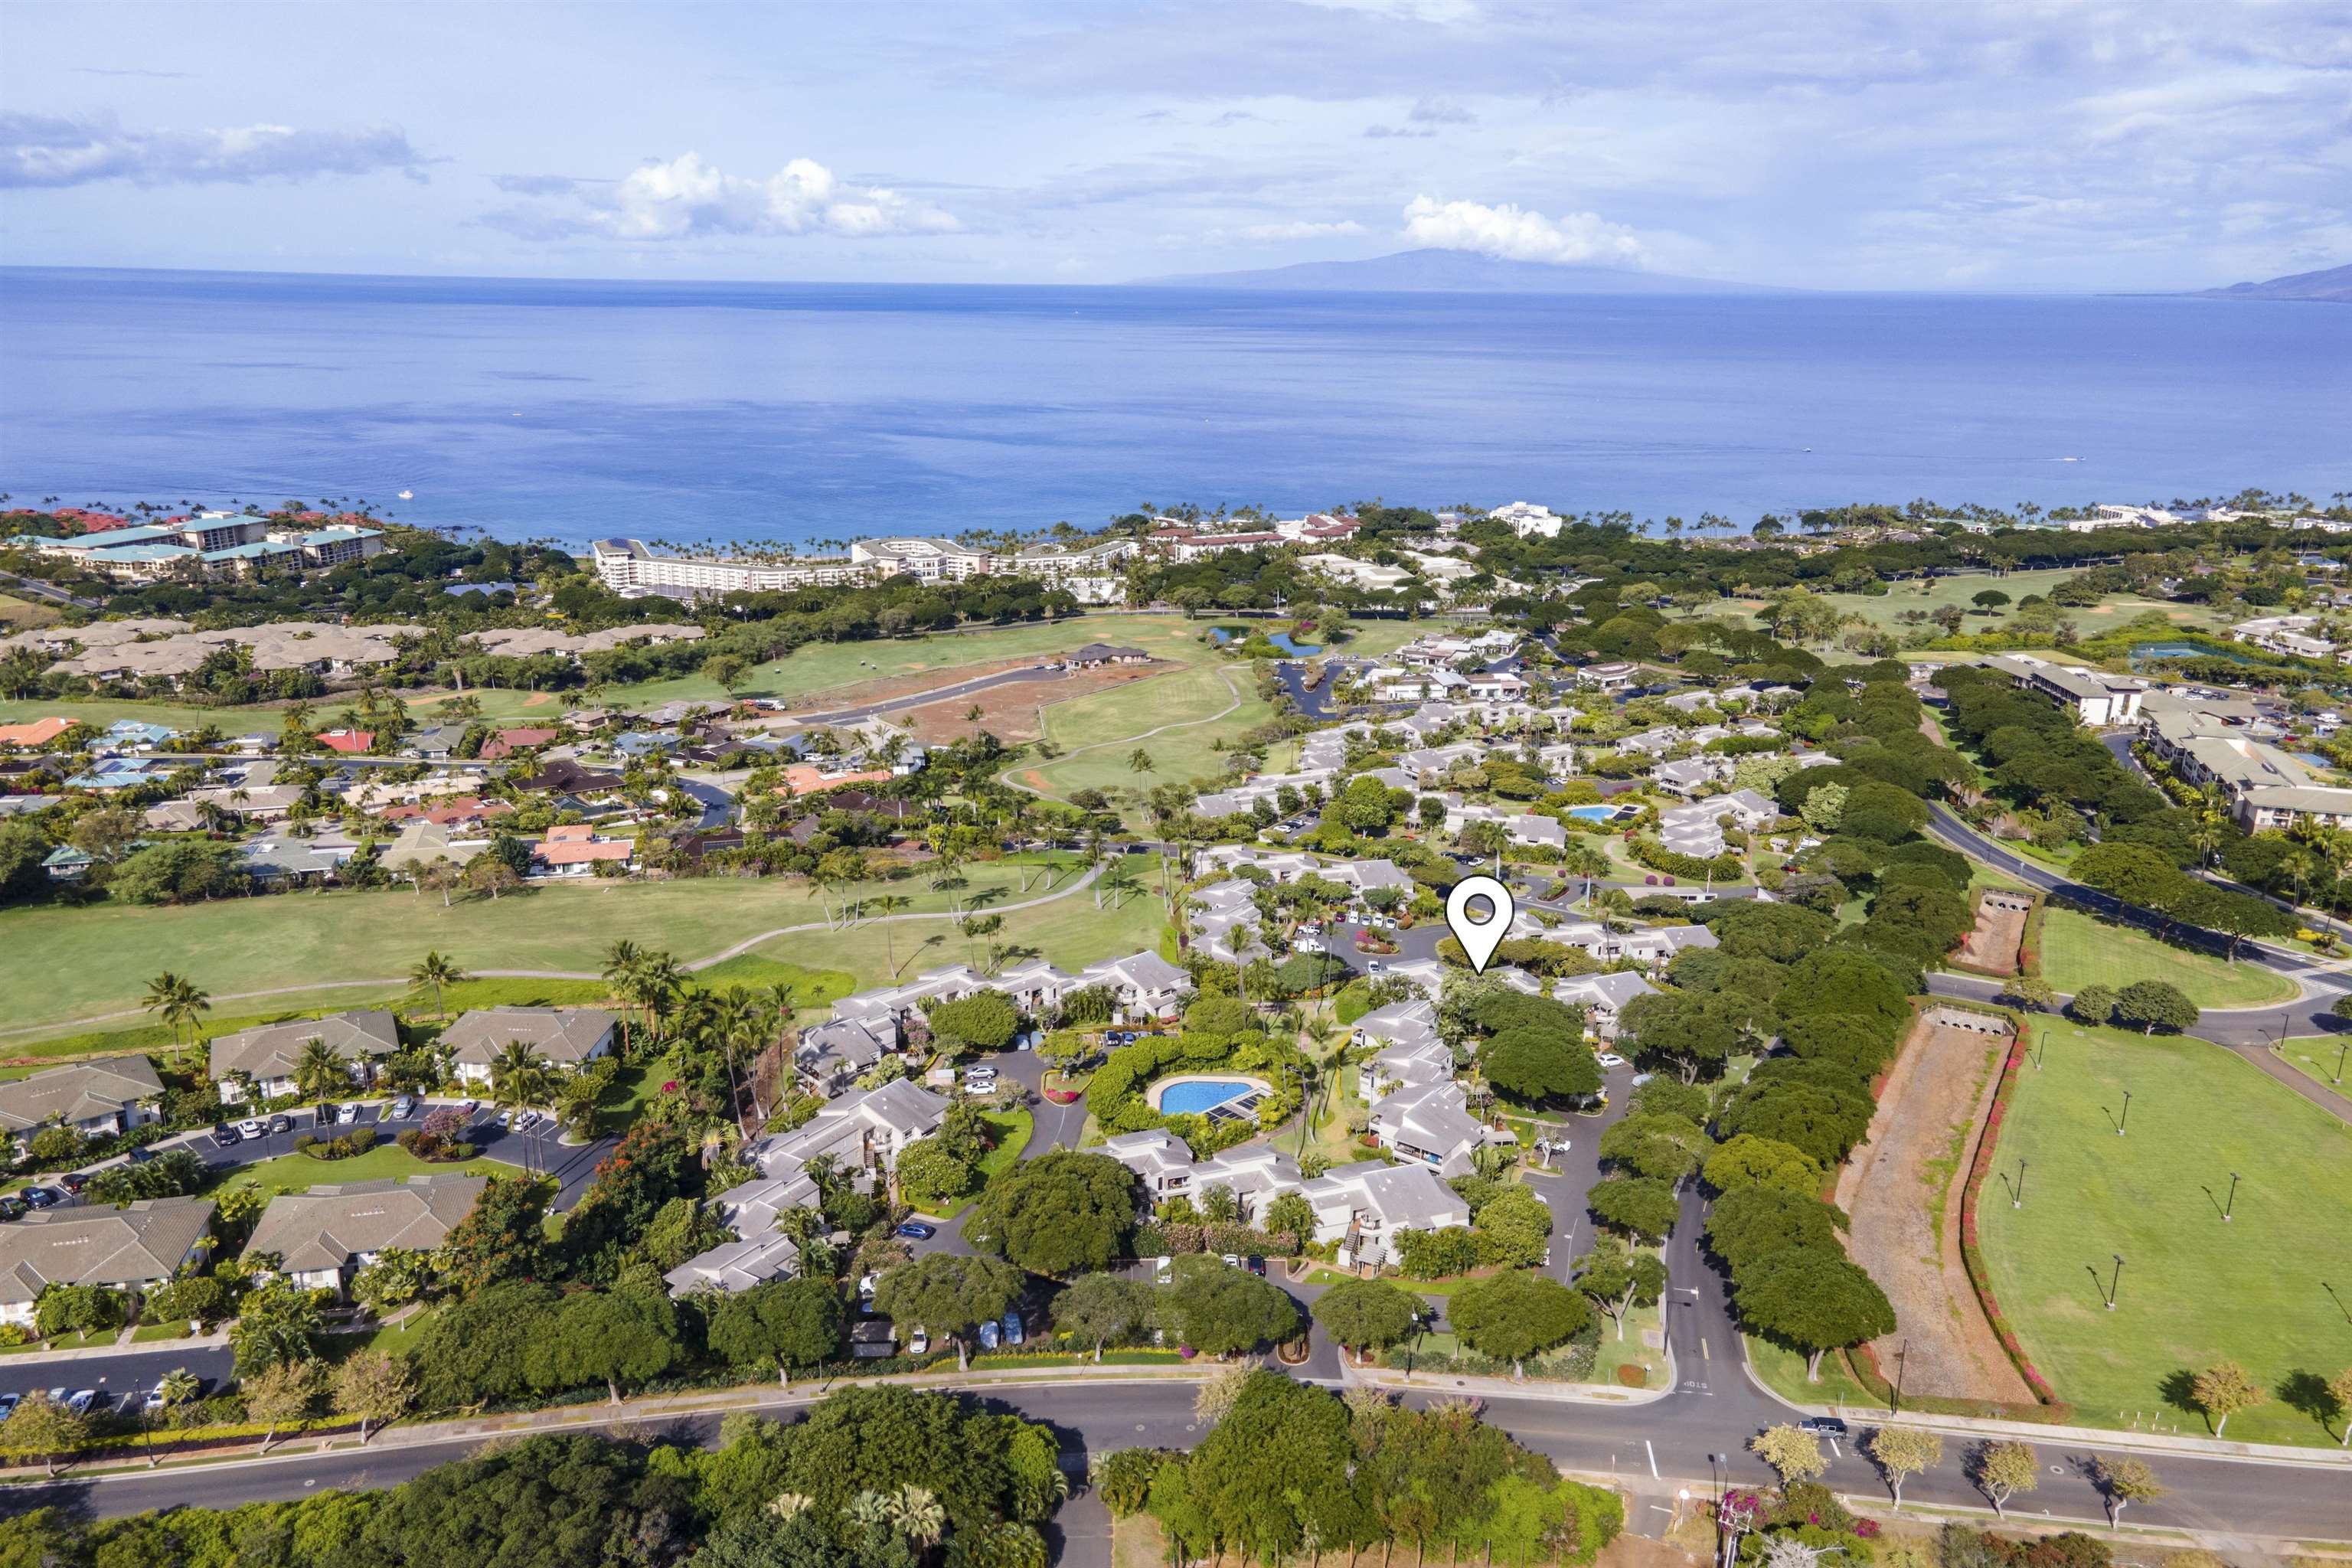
{"x": 916, "y": 1512}
{"x": 575, "y": 1104}
{"x": 872, "y": 1511}
{"x": 178, "y": 1387}
{"x": 623, "y": 960}
{"x": 1139, "y": 760}
{"x": 177, "y": 999}
{"x": 519, "y": 1076}
{"x": 659, "y": 981}
{"x": 804, "y": 1228}
{"x": 436, "y": 972}
{"x": 319, "y": 1072}
{"x": 890, "y": 904}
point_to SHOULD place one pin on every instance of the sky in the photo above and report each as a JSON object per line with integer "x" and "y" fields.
{"x": 1928, "y": 145}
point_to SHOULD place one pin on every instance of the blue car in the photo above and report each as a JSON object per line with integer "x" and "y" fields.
{"x": 915, "y": 1230}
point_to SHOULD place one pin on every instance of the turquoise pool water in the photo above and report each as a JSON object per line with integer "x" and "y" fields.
{"x": 1201, "y": 1094}
{"x": 1593, "y": 812}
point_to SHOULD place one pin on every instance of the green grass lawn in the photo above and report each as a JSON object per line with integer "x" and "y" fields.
{"x": 1783, "y": 1371}
{"x": 1071, "y": 932}
{"x": 148, "y": 1333}
{"x": 2078, "y": 951}
{"x": 299, "y": 1172}
{"x": 2194, "y": 1290}
{"x": 61, "y": 965}
{"x": 1205, "y": 705}
{"x": 2320, "y": 1058}
{"x": 65, "y": 1343}
{"x": 1933, "y": 594}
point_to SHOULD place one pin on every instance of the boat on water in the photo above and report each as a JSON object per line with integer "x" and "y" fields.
{"x": 408, "y": 495}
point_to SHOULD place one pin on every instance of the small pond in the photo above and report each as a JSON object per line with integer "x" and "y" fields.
{"x": 1222, "y": 635}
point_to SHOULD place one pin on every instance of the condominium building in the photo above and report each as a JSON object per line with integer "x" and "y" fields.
{"x": 628, "y": 566}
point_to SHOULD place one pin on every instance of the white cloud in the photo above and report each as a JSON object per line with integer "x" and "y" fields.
{"x": 1302, "y": 230}
{"x": 58, "y": 150}
{"x": 686, "y": 198}
{"x": 1517, "y": 233}
{"x": 1439, "y": 111}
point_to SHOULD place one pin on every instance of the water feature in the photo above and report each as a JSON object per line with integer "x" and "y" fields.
{"x": 1224, "y": 635}
{"x": 1595, "y": 813}
{"x": 2183, "y": 650}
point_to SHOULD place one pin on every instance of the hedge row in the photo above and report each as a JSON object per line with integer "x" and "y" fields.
{"x": 1658, "y": 857}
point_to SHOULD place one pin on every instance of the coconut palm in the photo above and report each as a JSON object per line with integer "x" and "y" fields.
{"x": 319, "y": 1071}
{"x": 786, "y": 1505}
{"x": 519, "y": 1076}
{"x": 177, "y": 999}
{"x": 888, "y": 905}
{"x": 177, "y": 1387}
{"x": 435, "y": 971}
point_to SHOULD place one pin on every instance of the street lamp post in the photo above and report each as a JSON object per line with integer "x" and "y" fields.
{"x": 2042, "y": 1054}
{"x": 2125, "y": 1120}
{"x": 2347, "y": 1045}
{"x": 2018, "y": 1200}
{"x": 2116, "y": 1283}
{"x": 2233, "y": 1202}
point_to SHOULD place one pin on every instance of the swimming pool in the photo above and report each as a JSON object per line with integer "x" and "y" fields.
{"x": 1594, "y": 813}
{"x": 1202, "y": 1094}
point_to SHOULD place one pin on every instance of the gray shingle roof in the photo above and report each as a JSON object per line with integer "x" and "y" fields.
{"x": 559, "y": 1034}
{"x": 271, "y": 1050}
{"x": 146, "y": 1241}
{"x": 323, "y": 1227}
{"x": 77, "y": 1093}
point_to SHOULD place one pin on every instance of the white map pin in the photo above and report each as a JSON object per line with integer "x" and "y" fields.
{"x": 1480, "y": 937}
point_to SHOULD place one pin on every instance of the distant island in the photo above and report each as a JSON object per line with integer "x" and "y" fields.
{"x": 1453, "y": 273}
{"x": 2332, "y": 284}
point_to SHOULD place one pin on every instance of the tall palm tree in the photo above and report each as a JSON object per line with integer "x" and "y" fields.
{"x": 888, "y": 904}
{"x": 736, "y": 1022}
{"x": 519, "y": 1076}
{"x": 623, "y": 961}
{"x": 319, "y": 1071}
{"x": 436, "y": 972}
{"x": 177, "y": 1387}
{"x": 177, "y": 1000}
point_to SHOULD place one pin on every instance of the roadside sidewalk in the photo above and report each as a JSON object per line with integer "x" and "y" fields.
{"x": 1446, "y": 1382}
{"x": 2328, "y": 1459}
{"x": 119, "y": 1347}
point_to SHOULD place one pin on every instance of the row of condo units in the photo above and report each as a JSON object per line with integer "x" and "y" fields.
{"x": 859, "y": 1135}
{"x": 1696, "y": 829}
{"x": 2214, "y": 742}
{"x": 210, "y": 544}
{"x": 1093, "y": 573}
{"x": 1183, "y": 542}
{"x": 1226, "y": 919}
{"x": 1362, "y": 1207}
{"x": 2292, "y": 635}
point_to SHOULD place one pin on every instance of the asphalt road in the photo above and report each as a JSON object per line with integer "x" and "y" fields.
{"x": 1691, "y": 1439}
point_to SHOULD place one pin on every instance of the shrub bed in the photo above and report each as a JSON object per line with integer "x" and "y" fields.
{"x": 1971, "y": 1255}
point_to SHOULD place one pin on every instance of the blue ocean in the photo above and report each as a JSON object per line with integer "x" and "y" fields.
{"x": 800, "y": 412}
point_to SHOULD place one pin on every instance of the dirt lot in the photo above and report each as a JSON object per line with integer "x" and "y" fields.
{"x": 1903, "y": 1190}
{"x": 1992, "y": 947}
{"x": 1009, "y": 712}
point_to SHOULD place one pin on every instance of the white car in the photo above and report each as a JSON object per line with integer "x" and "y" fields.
{"x": 347, "y": 1115}
{"x": 251, "y": 1128}
{"x": 1308, "y": 944}
{"x": 1609, "y": 1059}
{"x": 1376, "y": 967}
{"x": 918, "y": 1343}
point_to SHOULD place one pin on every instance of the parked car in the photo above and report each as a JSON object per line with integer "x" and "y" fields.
{"x": 918, "y": 1343}
{"x": 8, "y": 1402}
{"x": 1822, "y": 1426}
{"x": 80, "y": 1401}
{"x": 470, "y": 1106}
{"x": 990, "y": 1334}
{"x": 281, "y": 1123}
{"x": 1012, "y": 1331}
{"x": 251, "y": 1127}
{"x": 12, "y": 1208}
{"x": 404, "y": 1107}
{"x": 1376, "y": 967}
{"x": 865, "y": 1291}
{"x": 1609, "y": 1059}
{"x": 43, "y": 1198}
{"x": 1233, "y": 1260}
{"x": 1163, "y": 1270}
{"x": 139, "y": 1155}
{"x": 74, "y": 1181}
{"x": 1256, "y": 1265}
{"x": 915, "y": 1230}
{"x": 347, "y": 1115}
{"x": 225, "y": 1135}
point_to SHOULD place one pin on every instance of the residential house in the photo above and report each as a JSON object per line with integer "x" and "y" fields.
{"x": 96, "y": 1099}
{"x": 323, "y": 1237}
{"x": 1143, "y": 984}
{"x": 1096, "y": 655}
{"x": 1364, "y": 1207}
{"x": 831, "y": 1056}
{"x": 1523, "y": 827}
{"x": 269, "y": 1053}
{"x": 575, "y": 850}
{"x": 139, "y": 1247}
{"x": 1610, "y": 675}
{"x": 2097, "y": 700}
{"x": 1430, "y": 1123}
{"x": 566, "y": 1038}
